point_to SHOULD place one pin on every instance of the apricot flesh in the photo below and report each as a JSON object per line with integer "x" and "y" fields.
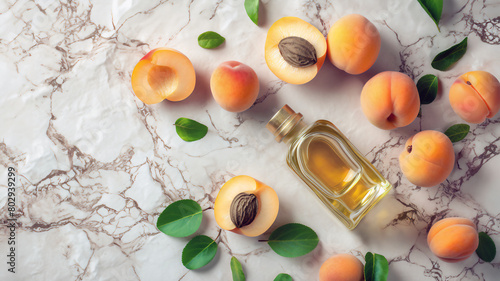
{"x": 341, "y": 267}
{"x": 390, "y": 99}
{"x": 234, "y": 86}
{"x": 475, "y": 96}
{"x": 428, "y": 158}
{"x": 453, "y": 239}
{"x": 353, "y": 44}
{"x": 268, "y": 205}
{"x": 293, "y": 27}
{"x": 161, "y": 74}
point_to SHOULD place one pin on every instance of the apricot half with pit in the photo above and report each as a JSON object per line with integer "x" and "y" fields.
{"x": 161, "y": 74}
{"x": 295, "y": 50}
{"x": 475, "y": 96}
{"x": 246, "y": 206}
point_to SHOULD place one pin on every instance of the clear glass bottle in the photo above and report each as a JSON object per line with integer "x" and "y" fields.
{"x": 345, "y": 181}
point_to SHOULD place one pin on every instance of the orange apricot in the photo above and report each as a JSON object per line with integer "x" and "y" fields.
{"x": 295, "y": 50}
{"x": 475, "y": 96}
{"x": 353, "y": 44}
{"x": 453, "y": 239}
{"x": 234, "y": 85}
{"x": 428, "y": 158}
{"x": 341, "y": 267}
{"x": 246, "y": 206}
{"x": 161, "y": 74}
{"x": 390, "y": 100}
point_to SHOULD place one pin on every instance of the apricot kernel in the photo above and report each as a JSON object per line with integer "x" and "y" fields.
{"x": 297, "y": 51}
{"x": 243, "y": 209}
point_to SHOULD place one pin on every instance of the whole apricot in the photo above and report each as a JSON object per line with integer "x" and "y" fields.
{"x": 295, "y": 50}
{"x": 353, "y": 44}
{"x": 163, "y": 73}
{"x": 475, "y": 96}
{"x": 390, "y": 100}
{"x": 234, "y": 85}
{"x": 453, "y": 239}
{"x": 341, "y": 267}
{"x": 428, "y": 158}
{"x": 246, "y": 206}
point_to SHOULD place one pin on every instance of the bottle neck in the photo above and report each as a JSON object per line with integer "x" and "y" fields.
{"x": 286, "y": 125}
{"x": 295, "y": 132}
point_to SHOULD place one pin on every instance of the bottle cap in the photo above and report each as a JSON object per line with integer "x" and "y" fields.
{"x": 283, "y": 122}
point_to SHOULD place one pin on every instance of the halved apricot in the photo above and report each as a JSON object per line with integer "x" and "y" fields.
{"x": 163, "y": 74}
{"x": 295, "y": 50}
{"x": 246, "y": 206}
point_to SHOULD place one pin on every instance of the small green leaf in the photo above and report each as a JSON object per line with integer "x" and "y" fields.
{"x": 190, "y": 130}
{"x": 237, "y": 270}
{"x": 199, "y": 252}
{"x": 252, "y": 9}
{"x": 486, "y": 249}
{"x": 210, "y": 40}
{"x": 444, "y": 60}
{"x": 457, "y": 132}
{"x": 434, "y": 8}
{"x": 376, "y": 267}
{"x": 293, "y": 240}
{"x": 283, "y": 277}
{"x": 427, "y": 87}
{"x": 180, "y": 219}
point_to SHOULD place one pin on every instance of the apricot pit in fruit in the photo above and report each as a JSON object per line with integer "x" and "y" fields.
{"x": 295, "y": 50}
{"x": 246, "y": 206}
{"x": 161, "y": 74}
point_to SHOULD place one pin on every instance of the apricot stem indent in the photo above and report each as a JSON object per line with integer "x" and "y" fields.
{"x": 408, "y": 148}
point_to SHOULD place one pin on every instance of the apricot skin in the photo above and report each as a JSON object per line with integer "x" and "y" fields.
{"x": 390, "y": 100}
{"x": 475, "y": 96}
{"x": 341, "y": 267}
{"x": 353, "y": 44}
{"x": 267, "y": 201}
{"x": 453, "y": 239}
{"x": 430, "y": 160}
{"x": 235, "y": 86}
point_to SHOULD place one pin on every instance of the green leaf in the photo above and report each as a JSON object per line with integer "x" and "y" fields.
{"x": 444, "y": 60}
{"x": 376, "y": 267}
{"x": 237, "y": 270}
{"x": 252, "y": 9}
{"x": 283, "y": 277}
{"x": 486, "y": 249}
{"x": 210, "y": 40}
{"x": 199, "y": 252}
{"x": 190, "y": 130}
{"x": 457, "y": 132}
{"x": 434, "y": 9}
{"x": 180, "y": 219}
{"x": 427, "y": 87}
{"x": 293, "y": 240}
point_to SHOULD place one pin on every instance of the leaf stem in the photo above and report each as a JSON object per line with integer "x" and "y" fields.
{"x": 220, "y": 230}
{"x": 206, "y": 209}
{"x": 264, "y": 240}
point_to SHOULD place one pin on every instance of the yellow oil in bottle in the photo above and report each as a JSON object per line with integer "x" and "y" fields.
{"x": 343, "y": 179}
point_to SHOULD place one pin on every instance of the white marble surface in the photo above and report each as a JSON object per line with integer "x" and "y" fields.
{"x": 95, "y": 166}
